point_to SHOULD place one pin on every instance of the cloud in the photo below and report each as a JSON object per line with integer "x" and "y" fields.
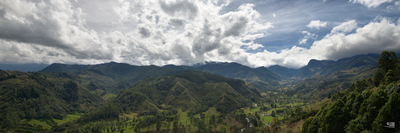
{"x": 237, "y": 28}
{"x": 307, "y": 35}
{"x": 316, "y": 24}
{"x": 145, "y": 32}
{"x": 371, "y": 3}
{"x": 177, "y": 22}
{"x": 345, "y": 27}
{"x": 374, "y": 37}
{"x": 136, "y": 32}
{"x": 182, "y": 7}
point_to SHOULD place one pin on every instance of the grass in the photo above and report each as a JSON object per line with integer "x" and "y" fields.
{"x": 109, "y": 96}
{"x": 183, "y": 118}
{"x": 38, "y": 122}
{"x": 130, "y": 115}
{"x": 69, "y": 117}
{"x": 267, "y": 119}
{"x": 211, "y": 111}
{"x": 254, "y": 109}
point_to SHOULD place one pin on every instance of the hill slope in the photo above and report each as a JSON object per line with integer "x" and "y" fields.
{"x": 283, "y": 71}
{"x": 34, "y": 96}
{"x": 111, "y": 76}
{"x": 366, "y": 106}
{"x": 190, "y": 90}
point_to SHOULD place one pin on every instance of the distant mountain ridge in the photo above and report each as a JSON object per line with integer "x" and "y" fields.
{"x": 283, "y": 71}
{"x": 123, "y": 75}
{"x": 30, "y": 67}
{"x": 128, "y": 75}
{"x": 322, "y": 67}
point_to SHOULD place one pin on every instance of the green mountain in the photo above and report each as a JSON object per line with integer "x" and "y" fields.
{"x": 320, "y": 86}
{"x": 366, "y": 106}
{"x": 283, "y": 71}
{"x": 329, "y": 77}
{"x": 314, "y": 67}
{"x": 32, "y": 67}
{"x": 28, "y": 97}
{"x": 116, "y": 76}
{"x": 232, "y": 70}
{"x": 189, "y": 90}
{"x": 110, "y": 77}
{"x": 322, "y": 67}
{"x": 114, "y": 97}
{"x": 260, "y": 77}
{"x": 185, "y": 96}
{"x": 57, "y": 67}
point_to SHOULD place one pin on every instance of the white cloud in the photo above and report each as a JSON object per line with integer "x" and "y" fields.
{"x": 307, "y": 35}
{"x": 317, "y": 24}
{"x": 136, "y": 32}
{"x": 371, "y": 3}
{"x": 345, "y": 27}
{"x": 372, "y": 38}
{"x": 273, "y": 15}
{"x": 145, "y": 32}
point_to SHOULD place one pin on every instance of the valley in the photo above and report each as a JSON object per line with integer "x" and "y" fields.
{"x": 211, "y": 97}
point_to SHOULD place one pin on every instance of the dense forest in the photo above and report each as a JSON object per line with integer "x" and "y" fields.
{"x": 366, "y": 106}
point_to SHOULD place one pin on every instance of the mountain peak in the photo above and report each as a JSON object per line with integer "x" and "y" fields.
{"x": 319, "y": 63}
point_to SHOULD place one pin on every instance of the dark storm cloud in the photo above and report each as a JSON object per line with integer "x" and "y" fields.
{"x": 207, "y": 41}
{"x": 237, "y": 28}
{"x": 144, "y": 32}
{"x": 36, "y": 32}
{"x": 184, "y": 7}
{"x": 177, "y": 22}
{"x": 53, "y": 24}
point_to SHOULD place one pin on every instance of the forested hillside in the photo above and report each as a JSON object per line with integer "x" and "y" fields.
{"x": 261, "y": 77}
{"x": 330, "y": 77}
{"x": 366, "y": 106}
{"x": 171, "y": 99}
{"x": 28, "y": 97}
{"x": 110, "y": 77}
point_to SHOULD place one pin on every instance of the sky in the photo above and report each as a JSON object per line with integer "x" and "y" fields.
{"x": 185, "y": 32}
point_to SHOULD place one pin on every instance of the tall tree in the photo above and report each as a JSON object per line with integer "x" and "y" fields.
{"x": 388, "y": 61}
{"x": 388, "y": 113}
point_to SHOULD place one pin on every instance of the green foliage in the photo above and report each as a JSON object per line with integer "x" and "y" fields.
{"x": 105, "y": 112}
{"x": 273, "y": 113}
{"x": 29, "y": 96}
{"x": 388, "y": 113}
{"x": 388, "y": 61}
{"x": 360, "y": 108}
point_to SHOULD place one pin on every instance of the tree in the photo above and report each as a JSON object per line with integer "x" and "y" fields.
{"x": 388, "y": 61}
{"x": 389, "y": 78}
{"x": 273, "y": 114}
{"x": 212, "y": 120}
{"x": 158, "y": 126}
{"x": 329, "y": 95}
{"x": 388, "y": 113}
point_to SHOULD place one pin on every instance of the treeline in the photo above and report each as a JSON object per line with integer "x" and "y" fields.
{"x": 366, "y": 106}
{"x": 8, "y": 77}
{"x": 105, "y": 112}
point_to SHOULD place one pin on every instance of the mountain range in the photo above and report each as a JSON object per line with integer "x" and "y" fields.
{"x": 106, "y": 91}
{"x": 271, "y": 78}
